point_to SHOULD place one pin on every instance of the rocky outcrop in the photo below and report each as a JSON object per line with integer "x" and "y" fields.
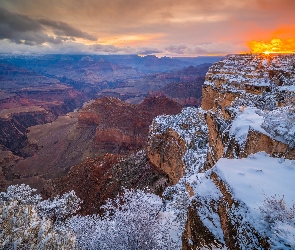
{"x": 177, "y": 144}
{"x": 237, "y": 231}
{"x": 241, "y": 94}
{"x": 218, "y": 99}
{"x": 166, "y": 151}
{"x": 238, "y": 93}
{"x": 241, "y": 81}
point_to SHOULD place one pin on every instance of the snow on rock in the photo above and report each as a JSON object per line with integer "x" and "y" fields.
{"x": 206, "y": 191}
{"x": 248, "y": 118}
{"x": 279, "y": 123}
{"x": 263, "y": 187}
{"x": 253, "y": 69}
{"x": 256, "y": 176}
{"x": 248, "y": 100}
{"x": 191, "y": 126}
{"x": 239, "y": 201}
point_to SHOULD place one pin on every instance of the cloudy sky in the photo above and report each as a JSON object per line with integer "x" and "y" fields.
{"x": 163, "y": 27}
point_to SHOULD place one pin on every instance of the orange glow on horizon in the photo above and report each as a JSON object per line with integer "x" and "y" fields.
{"x": 130, "y": 40}
{"x": 276, "y": 45}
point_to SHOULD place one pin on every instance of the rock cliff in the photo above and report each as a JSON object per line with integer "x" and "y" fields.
{"x": 246, "y": 127}
{"x": 177, "y": 144}
{"x": 240, "y": 81}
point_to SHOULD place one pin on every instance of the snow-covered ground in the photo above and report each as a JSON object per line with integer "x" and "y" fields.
{"x": 266, "y": 186}
{"x": 257, "y": 176}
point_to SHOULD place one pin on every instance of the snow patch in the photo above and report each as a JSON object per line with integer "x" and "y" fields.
{"x": 248, "y": 118}
{"x": 258, "y": 175}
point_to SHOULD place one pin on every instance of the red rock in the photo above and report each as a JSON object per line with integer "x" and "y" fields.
{"x": 122, "y": 126}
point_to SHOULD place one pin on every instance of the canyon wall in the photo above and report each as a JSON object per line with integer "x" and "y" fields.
{"x": 247, "y": 108}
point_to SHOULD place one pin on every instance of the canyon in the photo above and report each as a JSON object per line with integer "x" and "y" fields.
{"x": 39, "y": 92}
{"x": 224, "y": 161}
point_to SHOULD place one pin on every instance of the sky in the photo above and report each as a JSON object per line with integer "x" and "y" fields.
{"x": 160, "y": 27}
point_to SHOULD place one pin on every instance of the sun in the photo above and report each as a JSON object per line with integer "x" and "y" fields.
{"x": 276, "y": 45}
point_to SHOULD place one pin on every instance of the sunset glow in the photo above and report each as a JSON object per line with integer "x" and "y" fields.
{"x": 160, "y": 27}
{"x": 274, "y": 46}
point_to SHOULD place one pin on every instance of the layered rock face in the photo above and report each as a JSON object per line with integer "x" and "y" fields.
{"x": 238, "y": 93}
{"x": 248, "y": 122}
{"x": 260, "y": 81}
{"x": 178, "y": 143}
{"x": 121, "y": 126}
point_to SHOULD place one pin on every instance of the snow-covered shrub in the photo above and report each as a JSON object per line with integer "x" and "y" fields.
{"x": 131, "y": 221}
{"x": 281, "y": 123}
{"x": 60, "y": 207}
{"x": 22, "y": 194}
{"x": 279, "y": 220}
{"x": 275, "y": 209}
{"x": 21, "y": 226}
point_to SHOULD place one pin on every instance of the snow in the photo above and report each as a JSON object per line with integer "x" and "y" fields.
{"x": 248, "y": 118}
{"x": 287, "y": 88}
{"x": 257, "y": 176}
{"x": 206, "y": 191}
{"x": 279, "y": 123}
{"x": 264, "y": 187}
{"x": 152, "y": 199}
{"x": 250, "y": 69}
{"x": 190, "y": 124}
{"x": 285, "y": 233}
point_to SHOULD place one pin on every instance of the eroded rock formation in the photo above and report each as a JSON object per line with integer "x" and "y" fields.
{"x": 237, "y": 94}
{"x": 241, "y": 96}
{"x": 121, "y": 126}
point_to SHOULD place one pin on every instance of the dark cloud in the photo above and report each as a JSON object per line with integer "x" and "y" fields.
{"x": 22, "y": 29}
{"x": 64, "y": 29}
